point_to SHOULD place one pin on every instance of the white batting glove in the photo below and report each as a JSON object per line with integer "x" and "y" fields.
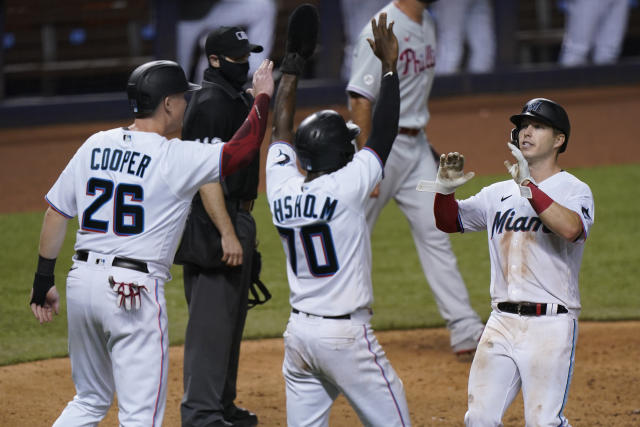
{"x": 450, "y": 175}
{"x": 519, "y": 171}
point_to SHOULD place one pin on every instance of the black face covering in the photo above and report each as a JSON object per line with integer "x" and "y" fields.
{"x": 235, "y": 73}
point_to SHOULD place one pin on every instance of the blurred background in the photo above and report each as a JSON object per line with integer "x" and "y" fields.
{"x": 70, "y": 59}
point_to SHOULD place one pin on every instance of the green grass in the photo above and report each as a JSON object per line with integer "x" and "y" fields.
{"x": 608, "y": 283}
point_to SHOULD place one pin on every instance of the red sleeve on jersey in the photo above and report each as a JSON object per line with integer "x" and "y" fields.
{"x": 445, "y": 209}
{"x": 539, "y": 199}
{"x": 245, "y": 143}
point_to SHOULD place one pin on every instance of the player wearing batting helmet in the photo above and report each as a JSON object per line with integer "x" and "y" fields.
{"x": 128, "y": 188}
{"x": 330, "y": 347}
{"x": 537, "y": 225}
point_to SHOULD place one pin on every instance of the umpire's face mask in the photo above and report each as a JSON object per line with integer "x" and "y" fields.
{"x": 235, "y": 72}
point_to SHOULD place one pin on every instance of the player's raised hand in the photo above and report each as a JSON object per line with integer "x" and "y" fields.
{"x": 450, "y": 175}
{"x": 520, "y": 170}
{"x": 263, "y": 79}
{"x": 384, "y": 43}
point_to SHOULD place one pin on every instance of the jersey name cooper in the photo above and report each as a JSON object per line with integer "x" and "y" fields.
{"x": 119, "y": 161}
{"x": 131, "y": 192}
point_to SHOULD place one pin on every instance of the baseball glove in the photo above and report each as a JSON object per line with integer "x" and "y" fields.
{"x": 302, "y": 35}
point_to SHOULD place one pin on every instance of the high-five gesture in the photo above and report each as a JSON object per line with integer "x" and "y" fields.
{"x": 263, "y": 79}
{"x": 450, "y": 175}
{"x": 520, "y": 170}
{"x": 384, "y": 43}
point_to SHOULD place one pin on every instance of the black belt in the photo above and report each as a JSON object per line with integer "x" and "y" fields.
{"x": 132, "y": 264}
{"x": 409, "y": 131}
{"x": 241, "y": 205}
{"x": 343, "y": 317}
{"x": 528, "y": 308}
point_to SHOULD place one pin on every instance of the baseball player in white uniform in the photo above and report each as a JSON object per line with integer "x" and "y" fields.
{"x": 594, "y": 28}
{"x": 537, "y": 227}
{"x": 460, "y": 23}
{"x": 131, "y": 189}
{"x": 412, "y": 158}
{"x": 330, "y": 347}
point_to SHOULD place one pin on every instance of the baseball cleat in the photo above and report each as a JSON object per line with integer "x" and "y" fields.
{"x": 240, "y": 417}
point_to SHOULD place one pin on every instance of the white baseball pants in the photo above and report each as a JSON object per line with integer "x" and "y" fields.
{"x": 326, "y": 357}
{"x": 113, "y": 350}
{"x": 536, "y": 354}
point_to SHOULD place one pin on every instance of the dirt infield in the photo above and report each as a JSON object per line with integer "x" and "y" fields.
{"x": 604, "y": 391}
{"x": 606, "y": 382}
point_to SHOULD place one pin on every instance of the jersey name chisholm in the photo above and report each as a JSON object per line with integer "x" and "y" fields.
{"x": 303, "y": 206}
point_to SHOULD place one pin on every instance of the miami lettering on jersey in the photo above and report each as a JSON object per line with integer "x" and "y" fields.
{"x": 507, "y": 222}
{"x": 305, "y": 206}
{"x": 409, "y": 61}
{"x": 116, "y": 160}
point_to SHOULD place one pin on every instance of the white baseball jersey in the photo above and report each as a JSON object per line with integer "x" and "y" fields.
{"x": 529, "y": 263}
{"x": 131, "y": 192}
{"x": 323, "y": 229}
{"x": 326, "y": 240}
{"x": 416, "y": 61}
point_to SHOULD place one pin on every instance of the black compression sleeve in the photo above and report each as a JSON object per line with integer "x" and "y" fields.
{"x": 384, "y": 127}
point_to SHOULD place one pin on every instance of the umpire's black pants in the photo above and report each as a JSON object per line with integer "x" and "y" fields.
{"x": 217, "y": 301}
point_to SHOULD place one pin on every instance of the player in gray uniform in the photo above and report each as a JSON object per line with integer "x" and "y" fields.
{"x": 536, "y": 227}
{"x": 412, "y": 158}
{"x": 131, "y": 189}
{"x": 330, "y": 347}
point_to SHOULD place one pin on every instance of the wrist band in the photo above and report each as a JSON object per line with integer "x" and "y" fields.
{"x": 539, "y": 199}
{"x": 46, "y": 266}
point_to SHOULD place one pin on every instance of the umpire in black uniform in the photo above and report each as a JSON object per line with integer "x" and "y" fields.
{"x": 218, "y": 245}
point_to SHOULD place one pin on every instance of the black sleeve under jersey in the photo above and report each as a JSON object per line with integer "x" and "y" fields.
{"x": 384, "y": 127}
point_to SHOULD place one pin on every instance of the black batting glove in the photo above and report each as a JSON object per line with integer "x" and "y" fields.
{"x": 41, "y": 285}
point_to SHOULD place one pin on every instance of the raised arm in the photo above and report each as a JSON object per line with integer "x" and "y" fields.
{"x": 285, "y": 109}
{"x": 387, "y": 112}
{"x": 245, "y": 143}
{"x": 562, "y": 221}
{"x": 302, "y": 34}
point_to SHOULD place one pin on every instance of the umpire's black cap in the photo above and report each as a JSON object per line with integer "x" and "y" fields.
{"x": 231, "y": 42}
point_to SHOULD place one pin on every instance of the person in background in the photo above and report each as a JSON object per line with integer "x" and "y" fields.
{"x": 593, "y": 29}
{"x": 216, "y": 284}
{"x": 199, "y": 17}
{"x": 461, "y": 23}
{"x": 355, "y": 15}
{"x": 412, "y": 157}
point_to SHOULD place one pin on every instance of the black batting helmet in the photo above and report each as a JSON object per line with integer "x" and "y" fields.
{"x": 546, "y": 111}
{"x": 151, "y": 82}
{"x": 324, "y": 142}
